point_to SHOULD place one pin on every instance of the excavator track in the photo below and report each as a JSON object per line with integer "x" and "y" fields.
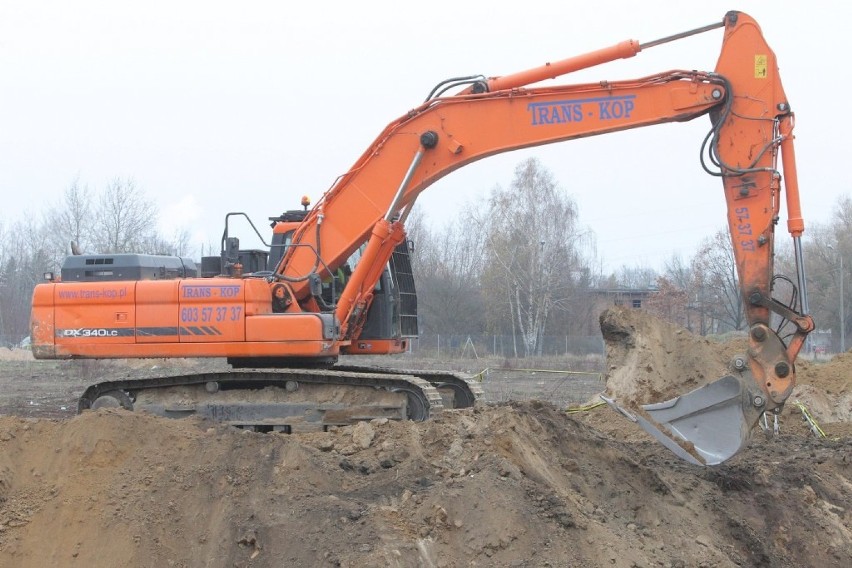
{"x": 286, "y": 400}
{"x": 458, "y": 390}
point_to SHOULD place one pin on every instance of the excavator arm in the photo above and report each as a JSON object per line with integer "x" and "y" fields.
{"x": 751, "y": 129}
{"x": 446, "y": 134}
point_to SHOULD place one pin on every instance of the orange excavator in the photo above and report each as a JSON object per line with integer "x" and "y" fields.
{"x": 336, "y": 278}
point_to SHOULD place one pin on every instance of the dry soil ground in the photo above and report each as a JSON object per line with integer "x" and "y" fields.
{"x": 508, "y": 484}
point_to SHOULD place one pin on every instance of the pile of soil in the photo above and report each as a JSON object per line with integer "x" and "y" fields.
{"x": 649, "y": 360}
{"x": 826, "y": 389}
{"x": 515, "y": 484}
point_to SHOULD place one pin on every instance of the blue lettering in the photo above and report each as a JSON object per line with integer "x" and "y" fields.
{"x": 197, "y": 292}
{"x": 564, "y": 112}
{"x": 556, "y": 113}
{"x": 108, "y": 293}
{"x": 229, "y": 291}
{"x": 211, "y": 291}
{"x": 571, "y": 113}
{"x": 615, "y": 109}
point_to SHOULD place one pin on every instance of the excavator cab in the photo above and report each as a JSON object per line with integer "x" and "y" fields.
{"x": 391, "y": 319}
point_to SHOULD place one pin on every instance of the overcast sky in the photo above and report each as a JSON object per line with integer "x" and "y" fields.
{"x": 217, "y": 106}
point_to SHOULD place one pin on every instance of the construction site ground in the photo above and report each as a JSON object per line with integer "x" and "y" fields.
{"x": 515, "y": 482}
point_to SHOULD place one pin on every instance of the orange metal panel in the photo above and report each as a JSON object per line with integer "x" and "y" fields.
{"x": 41, "y": 321}
{"x": 258, "y": 297}
{"x": 157, "y": 311}
{"x": 284, "y": 327}
{"x": 211, "y": 310}
{"x": 166, "y": 350}
{"x": 102, "y": 312}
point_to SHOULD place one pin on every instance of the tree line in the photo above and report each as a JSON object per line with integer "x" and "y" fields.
{"x": 522, "y": 265}
{"x": 118, "y": 218}
{"x": 518, "y": 264}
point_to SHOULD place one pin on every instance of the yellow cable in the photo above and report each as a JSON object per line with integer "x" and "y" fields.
{"x": 810, "y": 419}
{"x": 584, "y": 408}
{"x": 552, "y": 371}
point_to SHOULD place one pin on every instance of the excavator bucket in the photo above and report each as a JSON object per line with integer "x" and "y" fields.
{"x": 706, "y": 426}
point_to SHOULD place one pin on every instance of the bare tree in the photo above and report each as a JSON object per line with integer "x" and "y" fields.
{"x": 5, "y": 260}
{"x": 24, "y": 257}
{"x": 448, "y": 265}
{"x": 73, "y": 218}
{"x": 635, "y": 277}
{"x": 719, "y": 296}
{"x": 670, "y": 302}
{"x": 70, "y": 222}
{"x": 534, "y": 253}
{"x": 678, "y": 272}
{"x": 828, "y": 247}
{"x": 121, "y": 219}
{"x": 156, "y": 243}
{"x": 125, "y": 219}
{"x": 841, "y": 261}
{"x": 180, "y": 244}
{"x": 679, "y": 283}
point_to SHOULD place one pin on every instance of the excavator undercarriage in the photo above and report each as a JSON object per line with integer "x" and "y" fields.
{"x": 291, "y": 400}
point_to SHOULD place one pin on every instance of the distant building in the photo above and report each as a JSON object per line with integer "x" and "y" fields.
{"x": 669, "y": 304}
{"x": 629, "y": 297}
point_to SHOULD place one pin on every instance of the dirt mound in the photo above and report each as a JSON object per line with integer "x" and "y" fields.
{"x": 826, "y": 388}
{"x": 515, "y": 484}
{"x": 512, "y": 485}
{"x": 649, "y": 360}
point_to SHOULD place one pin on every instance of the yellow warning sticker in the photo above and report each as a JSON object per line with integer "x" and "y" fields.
{"x": 761, "y": 63}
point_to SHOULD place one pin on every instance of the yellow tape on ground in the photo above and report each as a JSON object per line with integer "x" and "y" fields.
{"x": 553, "y": 371}
{"x": 480, "y": 376}
{"x": 584, "y": 408}
{"x": 810, "y": 419}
